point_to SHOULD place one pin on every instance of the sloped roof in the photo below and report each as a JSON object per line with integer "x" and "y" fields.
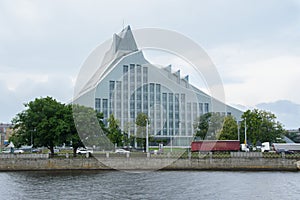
{"x": 122, "y": 44}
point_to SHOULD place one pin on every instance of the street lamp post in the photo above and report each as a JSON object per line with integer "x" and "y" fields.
{"x": 147, "y": 137}
{"x": 245, "y": 131}
{"x": 238, "y": 126}
{"x": 171, "y": 143}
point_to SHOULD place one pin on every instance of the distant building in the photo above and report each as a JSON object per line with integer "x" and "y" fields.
{"x": 130, "y": 85}
{"x": 5, "y": 132}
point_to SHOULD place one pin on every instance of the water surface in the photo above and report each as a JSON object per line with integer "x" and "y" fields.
{"x": 150, "y": 185}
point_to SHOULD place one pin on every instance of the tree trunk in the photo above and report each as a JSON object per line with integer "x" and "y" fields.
{"x": 51, "y": 148}
{"x": 74, "y": 151}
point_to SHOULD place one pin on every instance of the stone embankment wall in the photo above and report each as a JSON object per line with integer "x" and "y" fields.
{"x": 16, "y": 163}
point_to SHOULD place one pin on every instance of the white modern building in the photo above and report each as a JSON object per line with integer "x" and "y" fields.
{"x": 129, "y": 85}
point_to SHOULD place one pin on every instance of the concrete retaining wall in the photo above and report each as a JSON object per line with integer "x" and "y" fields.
{"x": 236, "y": 164}
{"x": 16, "y": 164}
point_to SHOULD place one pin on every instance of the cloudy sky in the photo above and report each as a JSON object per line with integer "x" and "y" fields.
{"x": 255, "y": 45}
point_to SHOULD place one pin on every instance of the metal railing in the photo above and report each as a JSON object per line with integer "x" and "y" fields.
{"x": 24, "y": 156}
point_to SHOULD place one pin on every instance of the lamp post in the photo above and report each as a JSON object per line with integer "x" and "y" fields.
{"x": 238, "y": 126}
{"x": 147, "y": 137}
{"x": 245, "y": 131}
{"x": 171, "y": 143}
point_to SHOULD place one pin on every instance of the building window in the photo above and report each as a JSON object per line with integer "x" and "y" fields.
{"x": 125, "y": 69}
{"x": 151, "y": 94}
{"x": 145, "y": 99}
{"x": 131, "y": 66}
{"x": 206, "y": 107}
{"x": 194, "y": 110}
{"x": 98, "y": 104}
{"x": 200, "y": 108}
{"x": 171, "y": 113}
{"x": 176, "y": 108}
{"x": 105, "y": 108}
{"x": 132, "y": 78}
{"x": 145, "y": 75}
{"x": 111, "y": 85}
{"x": 151, "y": 87}
{"x": 158, "y": 93}
{"x": 139, "y": 94}
{"x": 111, "y": 96}
{"x": 139, "y": 75}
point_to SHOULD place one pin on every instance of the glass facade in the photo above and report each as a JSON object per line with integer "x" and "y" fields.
{"x": 171, "y": 114}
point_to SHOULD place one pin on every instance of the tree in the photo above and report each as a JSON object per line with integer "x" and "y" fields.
{"x": 128, "y": 139}
{"x": 46, "y": 122}
{"x": 209, "y": 125}
{"x": 90, "y": 127}
{"x": 142, "y": 120}
{"x": 73, "y": 137}
{"x": 202, "y": 125}
{"x": 230, "y": 129}
{"x": 114, "y": 131}
{"x": 261, "y": 126}
{"x": 42, "y": 123}
{"x": 215, "y": 125}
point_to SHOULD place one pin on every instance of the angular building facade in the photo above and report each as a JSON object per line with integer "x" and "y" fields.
{"x": 128, "y": 84}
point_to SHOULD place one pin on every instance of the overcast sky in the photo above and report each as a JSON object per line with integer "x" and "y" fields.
{"x": 255, "y": 45}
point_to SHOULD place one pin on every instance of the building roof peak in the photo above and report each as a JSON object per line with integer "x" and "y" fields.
{"x": 124, "y": 41}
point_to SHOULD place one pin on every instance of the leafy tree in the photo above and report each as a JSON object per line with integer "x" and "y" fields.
{"x": 215, "y": 125}
{"x": 43, "y": 121}
{"x": 142, "y": 120}
{"x": 261, "y": 126}
{"x": 230, "y": 129}
{"x": 209, "y": 124}
{"x": 114, "y": 132}
{"x": 49, "y": 123}
{"x": 202, "y": 125}
{"x": 72, "y": 136}
{"x": 90, "y": 127}
{"x": 127, "y": 138}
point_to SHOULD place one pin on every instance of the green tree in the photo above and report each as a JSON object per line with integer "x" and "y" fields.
{"x": 42, "y": 122}
{"x": 73, "y": 137}
{"x": 230, "y": 129}
{"x": 114, "y": 132}
{"x": 142, "y": 120}
{"x": 261, "y": 126}
{"x": 208, "y": 125}
{"x": 215, "y": 125}
{"x": 90, "y": 127}
{"x": 127, "y": 138}
{"x": 202, "y": 125}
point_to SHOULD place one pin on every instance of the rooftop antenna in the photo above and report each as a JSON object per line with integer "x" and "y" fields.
{"x": 123, "y": 23}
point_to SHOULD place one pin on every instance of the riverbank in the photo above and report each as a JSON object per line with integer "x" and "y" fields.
{"x": 16, "y": 163}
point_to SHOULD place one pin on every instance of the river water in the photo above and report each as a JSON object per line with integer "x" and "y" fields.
{"x": 149, "y": 185}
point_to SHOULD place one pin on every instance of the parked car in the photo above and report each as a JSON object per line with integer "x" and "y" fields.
{"x": 121, "y": 151}
{"x": 18, "y": 151}
{"x": 84, "y": 151}
{"x": 6, "y": 151}
{"x": 36, "y": 151}
{"x": 55, "y": 151}
{"x": 155, "y": 152}
{"x": 14, "y": 151}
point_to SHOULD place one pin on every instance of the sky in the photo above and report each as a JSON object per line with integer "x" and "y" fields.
{"x": 253, "y": 43}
